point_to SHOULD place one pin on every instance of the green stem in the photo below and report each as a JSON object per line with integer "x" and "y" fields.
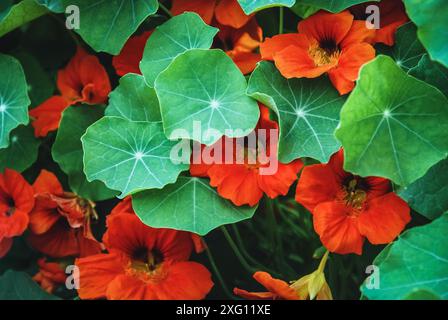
{"x": 280, "y": 23}
{"x": 237, "y": 252}
{"x": 217, "y": 272}
{"x": 165, "y": 9}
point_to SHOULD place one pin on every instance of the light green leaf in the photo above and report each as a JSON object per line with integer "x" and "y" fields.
{"x": 303, "y": 10}
{"x": 67, "y": 151}
{"x": 177, "y": 35}
{"x": 431, "y": 72}
{"x": 53, "y": 5}
{"x": 430, "y": 18}
{"x": 429, "y": 194}
{"x": 422, "y": 294}
{"x": 251, "y": 6}
{"x": 134, "y": 100}
{"x": 190, "y": 205}
{"x": 20, "y": 14}
{"x": 418, "y": 260}
{"x": 107, "y": 25}
{"x": 22, "y": 152}
{"x": 393, "y": 125}
{"x": 333, "y": 5}
{"x": 205, "y": 89}
{"x": 16, "y": 285}
{"x": 5, "y": 7}
{"x": 307, "y": 110}
{"x": 129, "y": 156}
{"x": 14, "y": 100}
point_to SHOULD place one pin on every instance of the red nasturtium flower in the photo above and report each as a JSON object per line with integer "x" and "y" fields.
{"x": 16, "y": 201}
{"x": 347, "y": 208}
{"x": 326, "y": 43}
{"x": 60, "y": 221}
{"x": 142, "y": 263}
{"x": 83, "y": 80}
{"x": 393, "y": 15}
{"x": 50, "y": 275}
{"x": 128, "y": 60}
{"x": 242, "y": 183}
{"x": 225, "y": 12}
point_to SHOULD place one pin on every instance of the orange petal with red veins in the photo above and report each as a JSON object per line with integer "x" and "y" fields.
{"x": 282, "y": 41}
{"x": 204, "y": 8}
{"x": 47, "y": 182}
{"x": 357, "y": 34}
{"x": 229, "y": 13}
{"x": 278, "y": 287}
{"x": 245, "y": 61}
{"x": 130, "y": 56}
{"x": 48, "y": 115}
{"x": 280, "y": 182}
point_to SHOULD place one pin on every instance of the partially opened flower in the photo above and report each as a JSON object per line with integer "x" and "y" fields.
{"x": 225, "y": 12}
{"x": 60, "y": 221}
{"x": 347, "y": 208}
{"x": 83, "y": 80}
{"x": 16, "y": 201}
{"x": 326, "y": 43}
{"x": 392, "y": 16}
{"x": 50, "y": 275}
{"x": 142, "y": 263}
{"x": 243, "y": 181}
{"x": 130, "y": 56}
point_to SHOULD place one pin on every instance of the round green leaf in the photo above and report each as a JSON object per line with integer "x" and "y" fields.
{"x": 177, "y": 35}
{"x": 418, "y": 260}
{"x": 429, "y": 194}
{"x": 190, "y": 205}
{"x": 430, "y": 18}
{"x": 53, "y": 5}
{"x": 14, "y": 100}
{"x": 205, "y": 89}
{"x": 16, "y": 285}
{"x": 333, "y": 5}
{"x": 307, "y": 110}
{"x": 129, "y": 156}
{"x": 422, "y": 294}
{"x": 251, "y": 6}
{"x": 431, "y": 72}
{"x": 22, "y": 152}
{"x": 67, "y": 151}
{"x": 107, "y": 25}
{"x": 20, "y": 14}
{"x": 393, "y": 125}
{"x": 134, "y": 100}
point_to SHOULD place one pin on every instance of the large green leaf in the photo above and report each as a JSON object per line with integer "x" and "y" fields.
{"x": 16, "y": 285}
{"x": 251, "y": 6}
{"x": 431, "y": 72}
{"x": 129, "y": 156}
{"x": 429, "y": 194}
{"x": 5, "y": 7}
{"x": 332, "y": 5}
{"x": 205, "y": 89}
{"x": 430, "y": 18}
{"x": 107, "y": 25}
{"x": 22, "y": 152}
{"x": 14, "y": 100}
{"x": 393, "y": 125}
{"x": 407, "y": 50}
{"x": 177, "y": 35}
{"x": 19, "y": 14}
{"x": 417, "y": 261}
{"x": 67, "y": 151}
{"x": 308, "y": 112}
{"x": 190, "y": 204}
{"x": 53, "y": 5}
{"x": 134, "y": 100}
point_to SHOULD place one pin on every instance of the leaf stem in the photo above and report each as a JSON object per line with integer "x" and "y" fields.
{"x": 280, "y": 23}
{"x": 217, "y": 272}
{"x": 237, "y": 252}
{"x": 165, "y": 9}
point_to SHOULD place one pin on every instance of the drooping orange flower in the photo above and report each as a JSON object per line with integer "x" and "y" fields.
{"x": 392, "y": 16}
{"x": 242, "y": 182}
{"x": 241, "y": 44}
{"x": 347, "y": 208}
{"x": 16, "y": 201}
{"x": 50, "y": 275}
{"x": 83, "y": 80}
{"x": 326, "y": 43}
{"x": 225, "y": 12}
{"x": 130, "y": 56}
{"x": 142, "y": 263}
{"x": 60, "y": 221}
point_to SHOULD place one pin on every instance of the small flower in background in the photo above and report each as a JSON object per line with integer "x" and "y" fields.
{"x": 325, "y": 43}
{"x": 128, "y": 60}
{"x": 60, "y": 221}
{"x": 142, "y": 263}
{"x": 50, "y": 275}
{"x": 16, "y": 202}
{"x": 83, "y": 80}
{"x": 347, "y": 208}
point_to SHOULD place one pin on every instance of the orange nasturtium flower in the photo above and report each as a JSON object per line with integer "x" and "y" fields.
{"x": 142, "y": 263}
{"x": 392, "y": 14}
{"x": 242, "y": 183}
{"x": 50, "y": 275}
{"x": 312, "y": 286}
{"x": 16, "y": 201}
{"x": 225, "y": 12}
{"x": 128, "y": 60}
{"x": 60, "y": 221}
{"x": 326, "y": 43}
{"x": 347, "y": 208}
{"x": 84, "y": 80}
